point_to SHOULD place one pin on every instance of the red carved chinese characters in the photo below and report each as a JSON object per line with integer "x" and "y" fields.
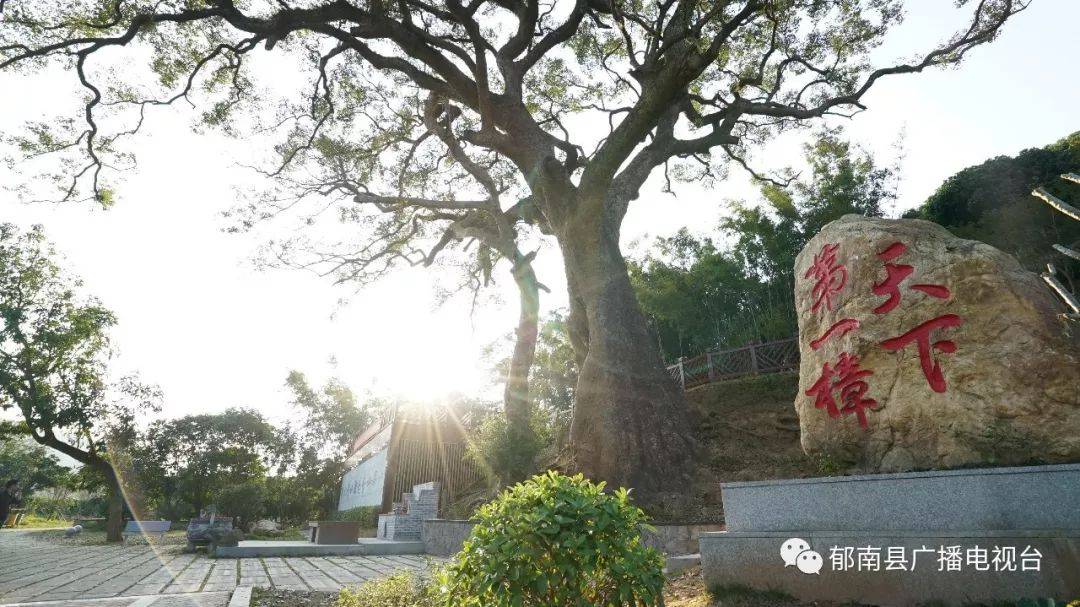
{"x": 849, "y": 380}
{"x": 830, "y": 277}
{"x": 895, "y": 273}
{"x": 840, "y": 328}
{"x": 921, "y": 336}
{"x": 842, "y": 388}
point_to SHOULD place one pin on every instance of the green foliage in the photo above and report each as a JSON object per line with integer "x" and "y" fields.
{"x": 398, "y": 590}
{"x": 329, "y": 420}
{"x": 54, "y": 334}
{"x": 195, "y": 457}
{"x": 245, "y": 501}
{"x": 992, "y": 202}
{"x": 333, "y": 416}
{"x": 66, "y": 506}
{"x": 174, "y": 508}
{"x": 501, "y": 454}
{"x": 54, "y": 353}
{"x": 291, "y": 500}
{"x": 698, "y": 295}
{"x": 555, "y": 371}
{"x": 35, "y": 466}
{"x": 367, "y": 516}
{"x": 556, "y": 540}
{"x": 552, "y": 381}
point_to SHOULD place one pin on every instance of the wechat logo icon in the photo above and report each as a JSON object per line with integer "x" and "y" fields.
{"x": 797, "y": 552}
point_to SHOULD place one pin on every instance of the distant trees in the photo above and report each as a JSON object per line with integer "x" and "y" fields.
{"x": 35, "y": 466}
{"x": 703, "y": 292}
{"x": 186, "y": 463}
{"x": 327, "y": 421}
{"x": 992, "y": 202}
{"x": 249, "y": 467}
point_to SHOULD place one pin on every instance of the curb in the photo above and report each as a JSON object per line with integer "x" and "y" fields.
{"x": 241, "y": 597}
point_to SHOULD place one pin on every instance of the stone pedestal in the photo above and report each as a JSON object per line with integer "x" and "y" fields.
{"x": 959, "y": 536}
{"x": 333, "y": 532}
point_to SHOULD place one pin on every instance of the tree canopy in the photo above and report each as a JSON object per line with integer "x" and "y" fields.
{"x": 992, "y": 202}
{"x": 196, "y": 457}
{"x": 32, "y": 464}
{"x": 437, "y": 126}
{"x": 724, "y": 291}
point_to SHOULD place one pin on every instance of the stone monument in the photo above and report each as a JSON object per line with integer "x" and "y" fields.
{"x": 921, "y": 350}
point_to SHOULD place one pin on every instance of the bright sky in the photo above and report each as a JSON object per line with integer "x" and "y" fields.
{"x": 198, "y": 319}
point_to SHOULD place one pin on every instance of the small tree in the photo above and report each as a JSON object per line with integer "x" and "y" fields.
{"x": 326, "y": 423}
{"x": 54, "y": 350}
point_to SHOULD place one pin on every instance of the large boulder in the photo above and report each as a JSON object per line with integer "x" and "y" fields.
{"x": 922, "y": 350}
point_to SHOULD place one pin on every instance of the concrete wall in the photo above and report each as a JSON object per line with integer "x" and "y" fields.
{"x": 1028, "y": 497}
{"x": 445, "y": 537}
{"x": 753, "y": 559}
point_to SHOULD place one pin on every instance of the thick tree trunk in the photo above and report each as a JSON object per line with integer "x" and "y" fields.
{"x": 631, "y": 425}
{"x": 114, "y": 524}
{"x": 516, "y": 399}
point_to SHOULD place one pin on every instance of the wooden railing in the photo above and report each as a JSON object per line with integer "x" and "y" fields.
{"x": 752, "y": 359}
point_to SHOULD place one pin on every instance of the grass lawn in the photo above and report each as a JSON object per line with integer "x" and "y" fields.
{"x": 173, "y": 540}
{"x": 33, "y": 521}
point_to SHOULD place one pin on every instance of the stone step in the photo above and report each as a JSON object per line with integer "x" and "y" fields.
{"x": 676, "y": 564}
{"x": 365, "y": 546}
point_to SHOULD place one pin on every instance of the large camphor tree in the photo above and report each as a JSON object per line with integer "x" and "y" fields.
{"x": 443, "y": 122}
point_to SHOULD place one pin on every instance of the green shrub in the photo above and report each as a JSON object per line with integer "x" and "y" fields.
{"x": 399, "y": 590}
{"x": 556, "y": 540}
{"x": 367, "y": 516}
{"x": 503, "y": 454}
{"x": 65, "y": 507}
{"x": 51, "y": 507}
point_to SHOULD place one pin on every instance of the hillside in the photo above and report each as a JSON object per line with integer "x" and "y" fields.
{"x": 747, "y": 430}
{"x": 992, "y": 202}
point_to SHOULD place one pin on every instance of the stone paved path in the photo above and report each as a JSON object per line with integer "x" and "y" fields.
{"x": 32, "y": 570}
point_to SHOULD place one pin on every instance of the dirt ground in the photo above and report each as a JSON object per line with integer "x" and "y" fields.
{"x": 746, "y": 429}
{"x": 276, "y": 597}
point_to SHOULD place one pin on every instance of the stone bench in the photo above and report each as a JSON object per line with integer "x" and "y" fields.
{"x": 147, "y": 528}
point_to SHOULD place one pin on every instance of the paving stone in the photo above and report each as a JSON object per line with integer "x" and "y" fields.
{"x": 33, "y": 570}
